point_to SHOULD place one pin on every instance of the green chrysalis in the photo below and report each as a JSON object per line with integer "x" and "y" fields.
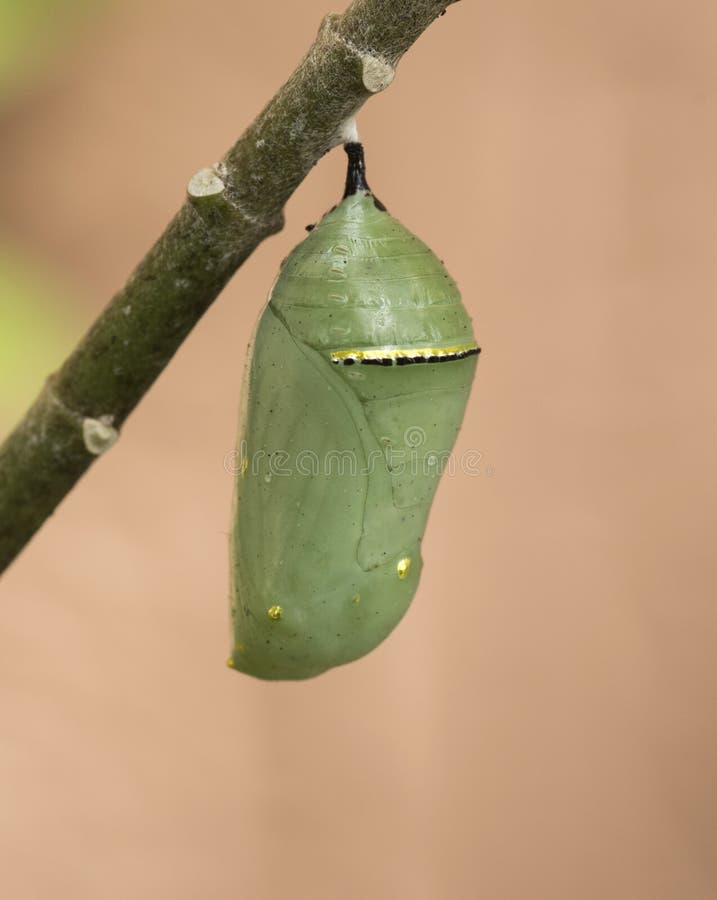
{"x": 358, "y": 380}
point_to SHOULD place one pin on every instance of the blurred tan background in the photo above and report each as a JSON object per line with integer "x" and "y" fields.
{"x": 542, "y": 724}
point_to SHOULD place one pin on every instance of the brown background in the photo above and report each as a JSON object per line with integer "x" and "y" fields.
{"x": 542, "y": 724}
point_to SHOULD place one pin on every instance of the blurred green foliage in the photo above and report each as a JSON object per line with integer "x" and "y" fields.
{"x": 38, "y": 328}
{"x": 29, "y": 31}
{"x": 39, "y": 325}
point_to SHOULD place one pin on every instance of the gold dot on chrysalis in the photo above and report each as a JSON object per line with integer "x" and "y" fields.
{"x": 357, "y": 598}
{"x": 275, "y": 613}
{"x": 230, "y": 663}
{"x": 403, "y": 566}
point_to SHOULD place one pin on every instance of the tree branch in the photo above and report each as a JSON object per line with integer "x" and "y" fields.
{"x": 229, "y": 210}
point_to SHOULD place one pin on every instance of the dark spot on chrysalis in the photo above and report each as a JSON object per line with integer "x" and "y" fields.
{"x": 310, "y": 227}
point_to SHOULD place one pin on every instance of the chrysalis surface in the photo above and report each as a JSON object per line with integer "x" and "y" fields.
{"x": 358, "y": 379}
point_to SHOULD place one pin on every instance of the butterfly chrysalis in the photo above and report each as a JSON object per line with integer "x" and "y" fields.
{"x": 358, "y": 379}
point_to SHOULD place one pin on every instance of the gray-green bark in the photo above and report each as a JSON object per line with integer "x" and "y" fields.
{"x": 229, "y": 210}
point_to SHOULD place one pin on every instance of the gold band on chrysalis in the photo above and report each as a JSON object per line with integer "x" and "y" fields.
{"x": 399, "y": 356}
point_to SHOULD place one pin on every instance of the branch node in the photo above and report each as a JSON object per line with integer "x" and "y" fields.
{"x": 99, "y": 434}
{"x": 208, "y": 192}
{"x": 376, "y": 73}
{"x": 205, "y": 183}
